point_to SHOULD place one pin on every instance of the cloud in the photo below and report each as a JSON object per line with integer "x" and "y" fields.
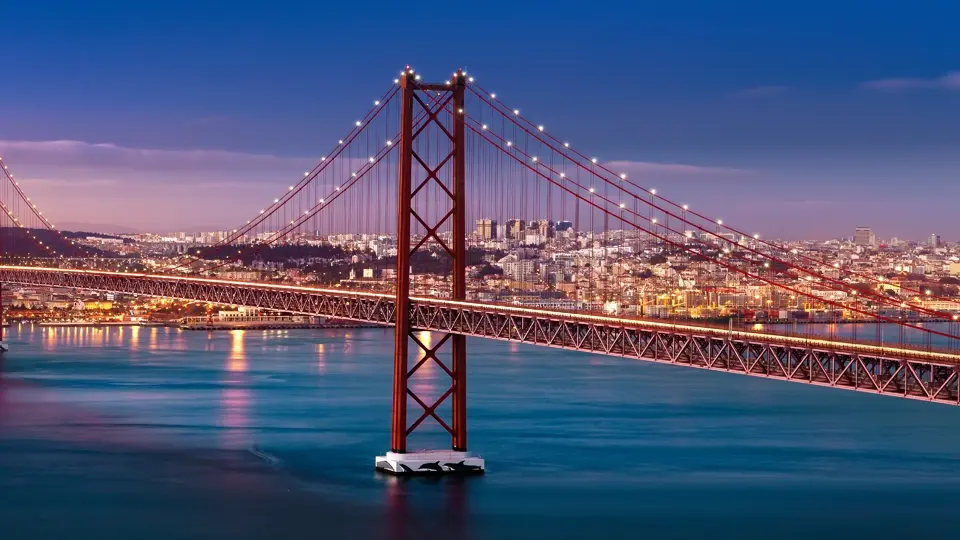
{"x": 148, "y": 188}
{"x": 151, "y": 189}
{"x": 762, "y": 91}
{"x": 949, "y": 81}
{"x": 67, "y": 153}
{"x": 672, "y": 169}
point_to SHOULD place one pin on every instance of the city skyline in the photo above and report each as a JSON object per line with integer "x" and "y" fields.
{"x": 794, "y": 140}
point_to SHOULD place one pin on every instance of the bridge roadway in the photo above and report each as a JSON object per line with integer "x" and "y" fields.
{"x": 890, "y": 370}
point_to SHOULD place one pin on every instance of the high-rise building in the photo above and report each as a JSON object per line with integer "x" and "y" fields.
{"x": 545, "y": 228}
{"x": 934, "y": 240}
{"x": 564, "y": 226}
{"x": 487, "y": 229}
{"x": 863, "y": 236}
{"x": 515, "y": 228}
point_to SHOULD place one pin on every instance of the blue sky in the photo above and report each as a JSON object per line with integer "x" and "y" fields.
{"x": 843, "y": 113}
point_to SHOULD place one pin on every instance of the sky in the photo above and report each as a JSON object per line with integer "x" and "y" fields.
{"x": 797, "y": 119}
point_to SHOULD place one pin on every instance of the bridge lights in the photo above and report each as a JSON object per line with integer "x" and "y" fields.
{"x": 516, "y": 112}
{"x": 540, "y": 127}
{"x": 623, "y": 176}
{"x": 593, "y": 160}
{"x": 493, "y": 96}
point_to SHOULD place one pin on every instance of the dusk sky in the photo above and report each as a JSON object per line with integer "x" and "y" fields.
{"x": 796, "y": 119}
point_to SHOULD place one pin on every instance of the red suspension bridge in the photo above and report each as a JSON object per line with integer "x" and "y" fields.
{"x": 428, "y": 159}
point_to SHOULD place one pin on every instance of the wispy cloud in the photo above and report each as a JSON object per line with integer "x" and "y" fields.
{"x": 949, "y": 81}
{"x": 673, "y": 169}
{"x": 148, "y": 188}
{"x": 68, "y": 153}
{"x": 76, "y": 181}
{"x": 762, "y": 91}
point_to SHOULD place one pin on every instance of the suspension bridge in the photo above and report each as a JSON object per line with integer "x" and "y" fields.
{"x": 429, "y": 158}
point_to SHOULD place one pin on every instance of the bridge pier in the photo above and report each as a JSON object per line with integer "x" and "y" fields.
{"x": 429, "y": 462}
{"x": 456, "y": 460}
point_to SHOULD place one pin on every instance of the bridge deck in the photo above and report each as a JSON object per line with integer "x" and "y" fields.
{"x": 893, "y": 370}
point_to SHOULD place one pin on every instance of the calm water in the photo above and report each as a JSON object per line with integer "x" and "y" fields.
{"x": 158, "y": 433}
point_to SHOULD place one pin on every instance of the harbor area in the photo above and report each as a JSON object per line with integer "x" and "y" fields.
{"x": 253, "y": 319}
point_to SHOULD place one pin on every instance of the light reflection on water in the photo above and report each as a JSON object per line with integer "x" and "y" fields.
{"x": 236, "y": 396}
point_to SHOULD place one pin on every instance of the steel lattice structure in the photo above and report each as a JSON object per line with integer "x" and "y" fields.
{"x": 924, "y": 375}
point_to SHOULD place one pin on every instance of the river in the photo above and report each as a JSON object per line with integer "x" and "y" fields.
{"x": 154, "y": 433}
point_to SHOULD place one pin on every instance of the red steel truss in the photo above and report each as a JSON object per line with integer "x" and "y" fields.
{"x": 924, "y": 375}
{"x": 418, "y": 170}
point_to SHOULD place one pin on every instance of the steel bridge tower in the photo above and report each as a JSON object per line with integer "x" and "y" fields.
{"x": 416, "y": 171}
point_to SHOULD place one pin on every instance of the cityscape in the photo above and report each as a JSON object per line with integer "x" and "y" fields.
{"x": 500, "y": 270}
{"x": 547, "y": 264}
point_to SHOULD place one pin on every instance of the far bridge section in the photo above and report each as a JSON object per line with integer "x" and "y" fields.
{"x": 895, "y": 371}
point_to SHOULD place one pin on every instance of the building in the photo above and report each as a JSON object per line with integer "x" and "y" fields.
{"x": 515, "y": 228}
{"x": 545, "y": 228}
{"x": 518, "y": 269}
{"x": 934, "y": 240}
{"x": 487, "y": 229}
{"x": 863, "y": 236}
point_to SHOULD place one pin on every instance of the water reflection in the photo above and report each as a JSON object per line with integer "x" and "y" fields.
{"x": 135, "y": 337}
{"x": 417, "y": 507}
{"x": 424, "y": 381}
{"x": 152, "y": 344}
{"x": 321, "y": 358}
{"x": 237, "y": 359}
{"x": 235, "y": 397}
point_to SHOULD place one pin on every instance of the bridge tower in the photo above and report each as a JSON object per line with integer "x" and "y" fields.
{"x": 441, "y": 110}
